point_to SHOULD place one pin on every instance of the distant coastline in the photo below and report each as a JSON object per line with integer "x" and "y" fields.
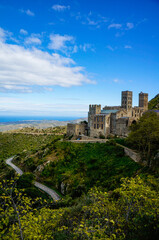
{"x": 10, "y": 123}
{"x": 17, "y": 119}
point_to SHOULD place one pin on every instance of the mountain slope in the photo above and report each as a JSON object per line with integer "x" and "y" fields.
{"x": 154, "y": 103}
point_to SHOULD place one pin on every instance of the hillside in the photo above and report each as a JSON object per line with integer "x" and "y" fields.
{"x": 59, "y": 130}
{"x": 103, "y": 196}
{"x": 154, "y": 103}
{"x": 38, "y": 124}
{"x": 74, "y": 168}
{"x": 12, "y": 144}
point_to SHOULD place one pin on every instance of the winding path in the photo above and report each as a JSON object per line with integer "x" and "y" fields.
{"x": 49, "y": 191}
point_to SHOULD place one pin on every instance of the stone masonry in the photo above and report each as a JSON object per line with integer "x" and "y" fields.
{"x": 111, "y": 120}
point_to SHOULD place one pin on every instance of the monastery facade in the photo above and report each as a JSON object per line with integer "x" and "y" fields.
{"x": 111, "y": 120}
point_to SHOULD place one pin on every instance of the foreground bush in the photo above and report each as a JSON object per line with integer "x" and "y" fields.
{"x": 129, "y": 212}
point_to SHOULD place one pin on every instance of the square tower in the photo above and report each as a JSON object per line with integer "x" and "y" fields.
{"x": 143, "y": 100}
{"x": 126, "y": 100}
{"x": 93, "y": 110}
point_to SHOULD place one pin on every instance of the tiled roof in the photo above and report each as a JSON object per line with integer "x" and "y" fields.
{"x": 109, "y": 111}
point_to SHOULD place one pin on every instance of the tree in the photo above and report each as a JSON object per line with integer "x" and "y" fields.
{"x": 128, "y": 212}
{"x": 144, "y": 136}
{"x": 26, "y": 180}
{"x": 15, "y": 205}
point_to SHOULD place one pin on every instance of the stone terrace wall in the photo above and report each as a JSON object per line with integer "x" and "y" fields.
{"x": 131, "y": 153}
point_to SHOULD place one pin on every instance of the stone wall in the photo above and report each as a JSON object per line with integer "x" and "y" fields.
{"x": 70, "y": 129}
{"x": 92, "y": 140}
{"x": 76, "y": 129}
{"x": 137, "y": 112}
{"x": 135, "y": 156}
{"x": 114, "y": 118}
{"x": 93, "y": 110}
{"x": 122, "y": 125}
{"x": 100, "y": 125}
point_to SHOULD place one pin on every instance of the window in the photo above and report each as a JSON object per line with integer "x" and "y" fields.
{"x": 97, "y": 126}
{"x": 101, "y": 126}
{"x": 94, "y": 126}
{"x": 126, "y": 123}
{"x": 94, "y": 118}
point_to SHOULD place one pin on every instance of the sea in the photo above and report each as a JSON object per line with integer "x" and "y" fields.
{"x": 9, "y": 119}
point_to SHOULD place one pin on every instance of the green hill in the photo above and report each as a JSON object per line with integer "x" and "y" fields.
{"x": 154, "y": 103}
{"x": 74, "y": 168}
{"x": 106, "y": 195}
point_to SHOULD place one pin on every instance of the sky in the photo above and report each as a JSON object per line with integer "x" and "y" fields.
{"x": 57, "y": 57}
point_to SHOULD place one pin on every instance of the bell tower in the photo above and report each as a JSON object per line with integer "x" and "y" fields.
{"x": 126, "y": 100}
{"x": 93, "y": 110}
{"x": 143, "y": 100}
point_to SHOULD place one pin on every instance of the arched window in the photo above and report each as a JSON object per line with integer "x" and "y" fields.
{"x": 133, "y": 122}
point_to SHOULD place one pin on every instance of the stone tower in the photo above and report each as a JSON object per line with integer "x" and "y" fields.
{"x": 126, "y": 100}
{"x": 93, "y": 110}
{"x": 143, "y": 100}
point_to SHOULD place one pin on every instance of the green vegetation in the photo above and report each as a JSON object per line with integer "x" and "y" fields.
{"x": 144, "y": 136}
{"x": 106, "y": 194}
{"x": 74, "y": 168}
{"x": 154, "y": 103}
{"x": 129, "y": 212}
{"x": 59, "y": 130}
{"x": 12, "y": 144}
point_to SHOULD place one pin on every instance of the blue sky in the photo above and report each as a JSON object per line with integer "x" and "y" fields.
{"x": 57, "y": 57}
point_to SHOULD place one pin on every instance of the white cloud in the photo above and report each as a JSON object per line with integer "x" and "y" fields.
{"x": 115, "y": 25}
{"x": 4, "y": 35}
{"x": 20, "y": 106}
{"x": 116, "y": 80}
{"x": 119, "y": 34}
{"x": 23, "y": 32}
{"x": 129, "y": 25}
{"x": 59, "y": 42}
{"x": 33, "y": 39}
{"x": 75, "y": 49}
{"x": 92, "y": 22}
{"x": 8, "y": 100}
{"x": 91, "y": 19}
{"x": 87, "y": 46}
{"x": 48, "y": 89}
{"x": 66, "y": 44}
{"x": 28, "y": 12}
{"x": 110, "y": 48}
{"x": 60, "y": 8}
{"x": 127, "y": 46}
{"x": 23, "y": 69}
{"x": 14, "y": 88}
